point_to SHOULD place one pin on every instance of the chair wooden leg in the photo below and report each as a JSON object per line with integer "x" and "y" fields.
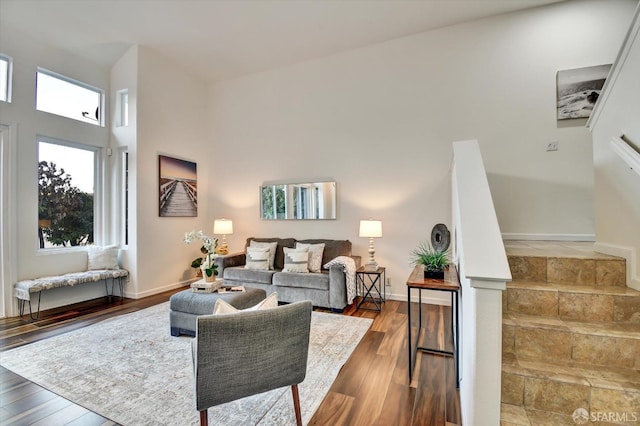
{"x": 296, "y": 404}
{"x": 204, "y": 418}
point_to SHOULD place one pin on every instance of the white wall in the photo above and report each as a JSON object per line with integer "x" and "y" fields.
{"x": 380, "y": 121}
{"x": 617, "y": 187}
{"x": 171, "y": 120}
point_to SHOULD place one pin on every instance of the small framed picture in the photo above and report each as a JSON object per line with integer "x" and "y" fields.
{"x": 578, "y": 90}
{"x": 178, "y": 187}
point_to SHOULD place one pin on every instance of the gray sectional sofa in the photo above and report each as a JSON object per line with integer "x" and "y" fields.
{"x": 325, "y": 289}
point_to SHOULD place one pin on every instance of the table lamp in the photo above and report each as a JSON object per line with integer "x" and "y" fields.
{"x": 223, "y": 227}
{"x": 371, "y": 229}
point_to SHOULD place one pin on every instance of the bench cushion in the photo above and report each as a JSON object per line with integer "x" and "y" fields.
{"x": 23, "y": 289}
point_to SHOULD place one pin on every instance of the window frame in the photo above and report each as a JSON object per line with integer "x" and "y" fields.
{"x": 9, "y": 76}
{"x": 98, "y": 194}
{"x": 101, "y": 93}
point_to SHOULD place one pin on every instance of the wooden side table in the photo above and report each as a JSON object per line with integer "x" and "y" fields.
{"x": 372, "y": 286}
{"x": 450, "y": 284}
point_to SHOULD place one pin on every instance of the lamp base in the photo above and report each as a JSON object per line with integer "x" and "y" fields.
{"x": 371, "y": 266}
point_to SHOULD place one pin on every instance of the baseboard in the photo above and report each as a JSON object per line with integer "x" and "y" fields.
{"x": 435, "y": 298}
{"x": 629, "y": 253}
{"x": 153, "y": 291}
{"x": 548, "y": 237}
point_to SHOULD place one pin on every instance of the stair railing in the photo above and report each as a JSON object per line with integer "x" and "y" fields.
{"x": 479, "y": 254}
{"x": 629, "y": 152}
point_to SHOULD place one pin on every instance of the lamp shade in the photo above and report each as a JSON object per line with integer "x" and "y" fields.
{"x": 371, "y": 228}
{"x": 223, "y": 227}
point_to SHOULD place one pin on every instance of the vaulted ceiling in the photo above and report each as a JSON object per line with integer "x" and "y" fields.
{"x": 221, "y": 39}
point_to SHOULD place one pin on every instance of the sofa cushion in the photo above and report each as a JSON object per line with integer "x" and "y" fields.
{"x": 332, "y": 248}
{"x": 282, "y": 242}
{"x": 239, "y": 273}
{"x": 293, "y": 279}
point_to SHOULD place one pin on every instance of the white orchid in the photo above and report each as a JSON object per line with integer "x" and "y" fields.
{"x": 209, "y": 245}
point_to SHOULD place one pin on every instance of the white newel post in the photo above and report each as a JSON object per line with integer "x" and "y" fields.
{"x": 482, "y": 344}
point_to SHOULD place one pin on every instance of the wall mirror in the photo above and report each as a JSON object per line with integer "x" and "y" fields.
{"x": 313, "y": 200}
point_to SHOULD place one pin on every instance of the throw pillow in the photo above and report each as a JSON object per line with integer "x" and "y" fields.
{"x": 315, "y": 255}
{"x": 257, "y": 258}
{"x": 271, "y": 246}
{"x": 296, "y": 260}
{"x": 102, "y": 257}
{"x": 222, "y": 307}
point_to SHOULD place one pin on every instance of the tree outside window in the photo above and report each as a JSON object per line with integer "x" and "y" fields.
{"x": 65, "y": 198}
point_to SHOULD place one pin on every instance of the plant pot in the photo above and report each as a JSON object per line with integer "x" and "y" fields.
{"x": 436, "y": 275}
{"x": 207, "y": 278}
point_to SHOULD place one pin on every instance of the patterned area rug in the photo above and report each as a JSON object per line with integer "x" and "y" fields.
{"x": 130, "y": 370}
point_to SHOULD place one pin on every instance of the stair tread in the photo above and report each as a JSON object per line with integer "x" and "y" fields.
{"x": 596, "y": 328}
{"x": 553, "y": 249}
{"x": 573, "y": 288}
{"x": 605, "y": 377}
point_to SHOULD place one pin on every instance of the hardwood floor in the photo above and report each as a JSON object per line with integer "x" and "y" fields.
{"x": 371, "y": 389}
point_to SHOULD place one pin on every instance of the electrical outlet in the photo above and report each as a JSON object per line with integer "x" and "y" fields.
{"x": 388, "y": 282}
{"x": 552, "y": 146}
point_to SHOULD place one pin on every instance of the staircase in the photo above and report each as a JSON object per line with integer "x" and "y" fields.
{"x": 570, "y": 338}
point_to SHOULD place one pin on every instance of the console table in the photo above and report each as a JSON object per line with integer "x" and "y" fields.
{"x": 450, "y": 284}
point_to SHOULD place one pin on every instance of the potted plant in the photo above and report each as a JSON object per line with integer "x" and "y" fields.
{"x": 435, "y": 262}
{"x": 207, "y": 263}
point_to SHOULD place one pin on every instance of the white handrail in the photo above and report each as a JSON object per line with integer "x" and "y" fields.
{"x": 479, "y": 232}
{"x": 625, "y": 151}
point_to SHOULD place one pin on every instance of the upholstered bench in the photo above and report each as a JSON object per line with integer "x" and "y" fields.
{"x": 186, "y": 306}
{"x": 23, "y": 289}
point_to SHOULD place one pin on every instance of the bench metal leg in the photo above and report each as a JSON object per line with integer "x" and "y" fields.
{"x": 21, "y": 304}
{"x": 113, "y": 284}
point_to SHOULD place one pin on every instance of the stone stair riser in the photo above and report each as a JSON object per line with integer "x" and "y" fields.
{"x": 568, "y": 305}
{"x": 560, "y": 270}
{"x": 566, "y": 346}
{"x": 563, "y": 397}
{"x": 555, "y": 396}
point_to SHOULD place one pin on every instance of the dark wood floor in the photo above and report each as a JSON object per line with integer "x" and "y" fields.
{"x": 371, "y": 389}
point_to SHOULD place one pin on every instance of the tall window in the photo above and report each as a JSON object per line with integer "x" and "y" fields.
{"x": 122, "y": 108}
{"x": 60, "y": 95}
{"x": 5, "y": 77}
{"x": 66, "y": 188}
{"x": 124, "y": 198}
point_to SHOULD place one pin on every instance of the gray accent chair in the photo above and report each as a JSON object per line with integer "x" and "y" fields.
{"x": 250, "y": 352}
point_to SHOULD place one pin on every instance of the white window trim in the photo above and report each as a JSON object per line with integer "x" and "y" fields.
{"x": 9, "y": 81}
{"x": 98, "y": 196}
{"x": 8, "y": 224}
{"x": 121, "y": 200}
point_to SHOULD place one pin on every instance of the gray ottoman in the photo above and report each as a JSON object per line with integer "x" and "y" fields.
{"x": 186, "y": 306}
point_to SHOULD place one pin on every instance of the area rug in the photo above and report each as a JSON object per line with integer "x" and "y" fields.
{"x": 131, "y": 371}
